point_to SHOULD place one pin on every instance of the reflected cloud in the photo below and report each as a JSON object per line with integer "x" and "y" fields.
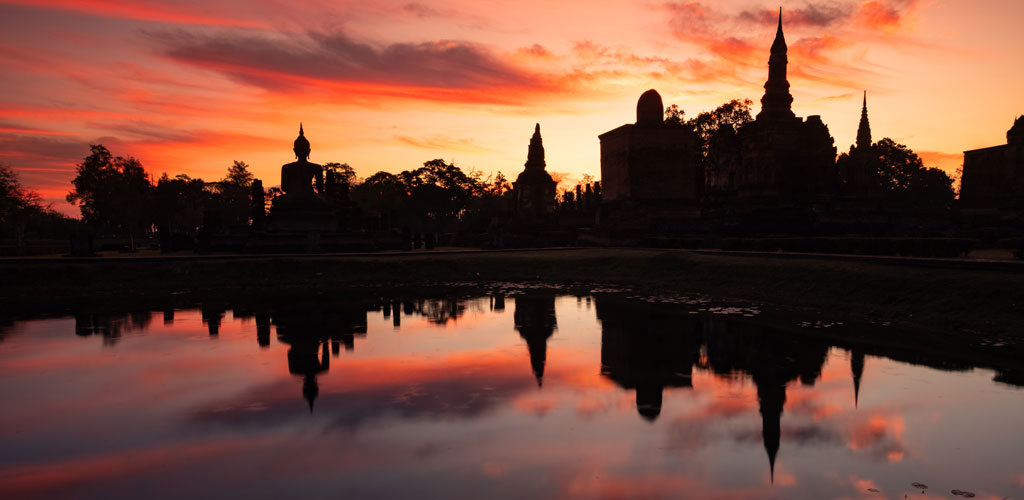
{"x": 638, "y": 400}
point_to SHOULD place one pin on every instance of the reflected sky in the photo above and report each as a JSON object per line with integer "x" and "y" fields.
{"x": 525, "y": 395}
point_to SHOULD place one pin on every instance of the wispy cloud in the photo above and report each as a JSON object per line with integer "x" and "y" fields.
{"x": 284, "y": 62}
{"x": 442, "y": 144}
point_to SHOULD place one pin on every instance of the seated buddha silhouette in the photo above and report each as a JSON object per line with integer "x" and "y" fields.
{"x": 297, "y": 180}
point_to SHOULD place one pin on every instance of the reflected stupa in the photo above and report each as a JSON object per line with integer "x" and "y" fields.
{"x": 535, "y": 321}
{"x": 772, "y": 360}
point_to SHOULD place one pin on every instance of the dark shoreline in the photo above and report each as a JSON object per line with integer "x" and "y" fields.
{"x": 950, "y": 301}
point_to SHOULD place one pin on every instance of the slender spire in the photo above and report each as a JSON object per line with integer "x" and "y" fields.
{"x": 535, "y": 155}
{"x": 857, "y": 368}
{"x": 771, "y": 395}
{"x": 864, "y": 130}
{"x": 300, "y": 130}
{"x": 779, "y": 45}
{"x": 776, "y": 104}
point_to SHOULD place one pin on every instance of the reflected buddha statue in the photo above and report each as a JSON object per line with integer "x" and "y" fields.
{"x": 301, "y": 208}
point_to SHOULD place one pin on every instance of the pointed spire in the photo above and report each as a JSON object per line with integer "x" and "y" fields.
{"x": 300, "y": 130}
{"x": 777, "y": 102}
{"x": 864, "y": 129}
{"x": 535, "y": 154}
{"x": 779, "y": 45}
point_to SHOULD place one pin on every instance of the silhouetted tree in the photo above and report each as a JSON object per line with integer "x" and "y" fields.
{"x": 903, "y": 175}
{"x": 675, "y": 116}
{"x": 14, "y": 199}
{"x": 493, "y": 198}
{"x": 234, "y": 194}
{"x": 342, "y": 171}
{"x": 113, "y": 193}
{"x": 438, "y": 190}
{"x": 22, "y": 212}
{"x": 731, "y": 115}
{"x": 382, "y": 193}
{"x": 178, "y": 204}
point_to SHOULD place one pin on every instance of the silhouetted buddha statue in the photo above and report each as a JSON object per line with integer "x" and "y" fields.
{"x": 297, "y": 177}
{"x": 301, "y": 208}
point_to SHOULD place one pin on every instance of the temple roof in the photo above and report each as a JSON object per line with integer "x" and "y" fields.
{"x": 1016, "y": 133}
{"x": 649, "y": 109}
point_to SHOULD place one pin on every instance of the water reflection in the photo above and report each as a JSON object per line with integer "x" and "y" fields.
{"x": 647, "y": 349}
{"x": 627, "y": 399}
{"x": 535, "y": 322}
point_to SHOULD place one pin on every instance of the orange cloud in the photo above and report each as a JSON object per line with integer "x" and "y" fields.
{"x": 883, "y": 15}
{"x": 443, "y": 144}
{"x": 132, "y": 9}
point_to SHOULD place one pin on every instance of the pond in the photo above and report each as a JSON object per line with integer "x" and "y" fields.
{"x": 526, "y": 393}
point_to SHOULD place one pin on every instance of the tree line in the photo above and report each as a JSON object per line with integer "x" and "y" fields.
{"x": 24, "y": 215}
{"x": 117, "y": 196}
{"x": 898, "y": 174}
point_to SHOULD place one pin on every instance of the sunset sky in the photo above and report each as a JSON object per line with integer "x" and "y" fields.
{"x": 189, "y": 86}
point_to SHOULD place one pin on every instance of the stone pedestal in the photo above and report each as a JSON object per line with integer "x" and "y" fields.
{"x": 302, "y": 220}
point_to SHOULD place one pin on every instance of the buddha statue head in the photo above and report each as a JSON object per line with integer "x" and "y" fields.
{"x": 301, "y": 147}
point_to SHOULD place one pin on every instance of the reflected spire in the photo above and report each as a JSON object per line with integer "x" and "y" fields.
{"x": 771, "y": 397}
{"x": 310, "y": 390}
{"x": 535, "y": 321}
{"x": 857, "y": 368}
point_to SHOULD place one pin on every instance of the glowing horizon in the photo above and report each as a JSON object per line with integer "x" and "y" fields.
{"x": 189, "y": 86}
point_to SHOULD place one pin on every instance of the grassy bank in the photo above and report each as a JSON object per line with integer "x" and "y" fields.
{"x": 952, "y": 300}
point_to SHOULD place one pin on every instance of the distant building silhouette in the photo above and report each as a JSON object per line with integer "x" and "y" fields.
{"x": 534, "y": 189}
{"x": 860, "y": 171}
{"x": 649, "y": 160}
{"x": 864, "y": 128}
{"x": 993, "y": 177}
{"x": 649, "y": 169}
{"x": 777, "y": 102}
{"x": 782, "y": 155}
{"x": 769, "y": 174}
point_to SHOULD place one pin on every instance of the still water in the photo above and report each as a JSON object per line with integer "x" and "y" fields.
{"x": 517, "y": 395}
